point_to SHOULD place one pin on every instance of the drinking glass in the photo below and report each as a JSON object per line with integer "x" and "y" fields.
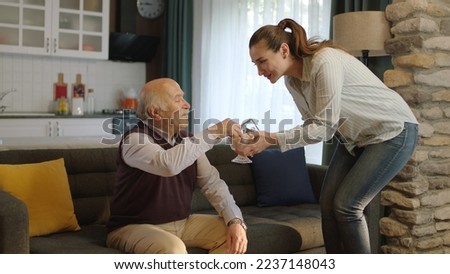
{"x": 250, "y": 131}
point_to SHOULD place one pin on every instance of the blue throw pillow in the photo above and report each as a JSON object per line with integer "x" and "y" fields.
{"x": 281, "y": 178}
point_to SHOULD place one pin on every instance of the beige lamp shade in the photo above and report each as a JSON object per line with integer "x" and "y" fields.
{"x": 361, "y": 30}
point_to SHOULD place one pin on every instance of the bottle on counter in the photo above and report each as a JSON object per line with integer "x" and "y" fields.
{"x": 77, "y": 105}
{"x": 62, "y": 106}
{"x": 78, "y": 87}
{"x": 60, "y": 88}
{"x": 90, "y": 101}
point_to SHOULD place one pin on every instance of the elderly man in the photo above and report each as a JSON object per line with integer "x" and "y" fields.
{"x": 159, "y": 165}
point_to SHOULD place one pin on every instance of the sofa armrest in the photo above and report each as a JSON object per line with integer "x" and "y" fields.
{"x": 14, "y": 237}
{"x": 316, "y": 175}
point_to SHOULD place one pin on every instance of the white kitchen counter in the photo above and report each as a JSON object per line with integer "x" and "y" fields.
{"x": 59, "y": 142}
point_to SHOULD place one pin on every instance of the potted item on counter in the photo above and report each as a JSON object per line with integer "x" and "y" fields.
{"x": 130, "y": 100}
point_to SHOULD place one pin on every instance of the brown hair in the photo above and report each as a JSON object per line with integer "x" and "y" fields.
{"x": 298, "y": 43}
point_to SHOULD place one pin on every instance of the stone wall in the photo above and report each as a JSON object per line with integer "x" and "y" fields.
{"x": 417, "y": 218}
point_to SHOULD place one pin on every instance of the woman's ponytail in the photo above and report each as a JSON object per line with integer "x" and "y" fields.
{"x": 290, "y": 32}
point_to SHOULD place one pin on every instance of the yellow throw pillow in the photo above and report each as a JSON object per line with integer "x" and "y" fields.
{"x": 44, "y": 188}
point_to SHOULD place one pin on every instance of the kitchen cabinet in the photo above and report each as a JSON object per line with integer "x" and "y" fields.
{"x": 70, "y": 28}
{"x": 54, "y": 127}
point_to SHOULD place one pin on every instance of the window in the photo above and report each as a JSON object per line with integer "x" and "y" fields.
{"x": 225, "y": 81}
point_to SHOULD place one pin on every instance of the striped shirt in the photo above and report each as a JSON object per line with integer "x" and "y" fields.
{"x": 339, "y": 94}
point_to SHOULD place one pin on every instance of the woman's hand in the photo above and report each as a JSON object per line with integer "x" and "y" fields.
{"x": 261, "y": 141}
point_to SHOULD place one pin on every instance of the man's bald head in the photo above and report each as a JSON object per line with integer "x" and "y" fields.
{"x": 156, "y": 94}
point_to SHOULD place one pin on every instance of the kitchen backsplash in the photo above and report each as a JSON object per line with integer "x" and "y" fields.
{"x": 33, "y": 78}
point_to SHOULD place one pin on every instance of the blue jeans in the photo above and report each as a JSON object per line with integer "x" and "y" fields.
{"x": 352, "y": 182}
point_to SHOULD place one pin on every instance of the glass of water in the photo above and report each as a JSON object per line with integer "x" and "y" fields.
{"x": 250, "y": 135}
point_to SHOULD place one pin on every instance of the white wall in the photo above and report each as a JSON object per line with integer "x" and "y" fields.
{"x": 34, "y": 76}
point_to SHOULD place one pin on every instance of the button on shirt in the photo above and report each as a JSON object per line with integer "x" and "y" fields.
{"x": 339, "y": 94}
{"x": 140, "y": 151}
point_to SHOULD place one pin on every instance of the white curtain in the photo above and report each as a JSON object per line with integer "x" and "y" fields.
{"x": 226, "y": 82}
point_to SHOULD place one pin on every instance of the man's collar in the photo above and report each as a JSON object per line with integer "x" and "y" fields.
{"x": 160, "y": 132}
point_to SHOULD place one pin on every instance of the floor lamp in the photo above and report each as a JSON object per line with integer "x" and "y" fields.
{"x": 362, "y": 33}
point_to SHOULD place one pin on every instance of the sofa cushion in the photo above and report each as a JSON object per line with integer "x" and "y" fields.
{"x": 305, "y": 219}
{"x": 267, "y": 238}
{"x": 281, "y": 178}
{"x": 44, "y": 188}
{"x": 288, "y": 229}
{"x": 90, "y": 239}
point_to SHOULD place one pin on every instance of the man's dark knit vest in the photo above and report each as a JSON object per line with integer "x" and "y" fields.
{"x": 145, "y": 198}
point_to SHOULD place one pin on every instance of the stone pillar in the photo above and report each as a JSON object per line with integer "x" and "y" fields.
{"x": 417, "y": 219}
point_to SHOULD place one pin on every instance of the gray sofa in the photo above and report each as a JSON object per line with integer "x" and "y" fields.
{"x": 91, "y": 172}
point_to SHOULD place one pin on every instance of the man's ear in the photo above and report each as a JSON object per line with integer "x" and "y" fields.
{"x": 153, "y": 113}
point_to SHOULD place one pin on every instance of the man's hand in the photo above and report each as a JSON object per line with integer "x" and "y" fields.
{"x": 226, "y": 128}
{"x": 236, "y": 239}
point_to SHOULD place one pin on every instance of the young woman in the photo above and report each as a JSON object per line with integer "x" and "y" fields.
{"x": 339, "y": 96}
